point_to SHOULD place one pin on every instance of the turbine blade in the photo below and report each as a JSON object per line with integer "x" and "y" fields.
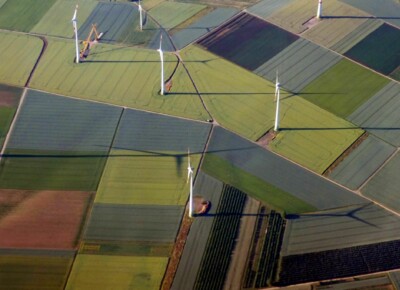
{"x": 160, "y": 42}
{"x": 75, "y": 13}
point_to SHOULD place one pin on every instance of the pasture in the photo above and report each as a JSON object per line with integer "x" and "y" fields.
{"x": 9, "y": 101}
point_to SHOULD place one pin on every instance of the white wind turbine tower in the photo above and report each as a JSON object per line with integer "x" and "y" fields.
{"x": 319, "y": 10}
{"x": 190, "y": 179}
{"x": 277, "y": 98}
{"x": 74, "y": 23}
{"x": 162, "y": 66}
{"x": 140, "y": 16}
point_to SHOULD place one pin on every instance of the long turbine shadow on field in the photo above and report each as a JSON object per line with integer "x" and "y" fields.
{"x": 232, "y": 214}
{"x": 126, "y": 61}
{"x": 360, "y": 17}
{"x": 338, "y": 128}
{"x": 350, "y": 214}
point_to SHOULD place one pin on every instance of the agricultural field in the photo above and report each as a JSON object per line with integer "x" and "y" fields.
{"x": 247, "y": 41}
{"x": 34, "y": 272}
{"x": 241, "y": 4}
{"x": 171, "y": 14}
{"x": 18, "y": 56}
{"x": 384, "y": 186}
{"x": 57, "y": 20}
{"x": 362, "y": 162}
{"x": 298, "y": 65}
{"x": 104, "y": 272}
{"x": 210, "y": 189}
{"x": 370, "y": 283}
{"x": 266, "y": 8}
{"x": 304, "y": 193}
{"x": 379, "y": 50}
{"x": 339, "y": 22}
{"x": 186, "y": 35}
{"x": 395, "y": 278}
{"x": 387, "y": 10}
{"x": 115, "y": 222}
{"x": 31, "y": 219}
{"x": 379, "y": 115}
{"x": 9, "y": 101}
{"x": 342, "y": 263}
{"x": 355, "y": 225}
{"x": 343, "y": 88}
{"x": 117, "y": 75}
{"x": 23, "y": 15}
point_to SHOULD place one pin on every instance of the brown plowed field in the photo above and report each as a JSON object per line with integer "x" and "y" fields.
{"x": 41, "y": 219}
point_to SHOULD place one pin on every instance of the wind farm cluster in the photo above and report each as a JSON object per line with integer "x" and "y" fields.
{"x": 159, "y": 144}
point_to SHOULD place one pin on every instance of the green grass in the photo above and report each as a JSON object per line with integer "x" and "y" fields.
{"x": 33, "y": 272}
{"x": 254, "y": 186}
{"x": 171, "y": 14}
{"x": 6, "y": 117}
{"x": 134, "y": 177}
{"x": 314, "y": 141}
{"x": 343, "y": 88}
{"x": 117, "y": 75}
{"x": 55, "y": 170}
{"x": 18, "y": 55}
{"x": 57, "y": 20}
{"x": 105, "y": 272}
{"x": 22, "y": 15}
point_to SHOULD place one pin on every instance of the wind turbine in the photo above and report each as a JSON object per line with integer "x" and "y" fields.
{"x": 190, "y": 179}
{"x": 277, "y": 98}
{"x": 75, "y": 24}
{"x": 140, "y": 17}
{"x": 319, "y": 10}
{"x": 162, "y": 66}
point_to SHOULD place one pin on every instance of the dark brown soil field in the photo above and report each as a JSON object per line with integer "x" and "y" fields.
{"x": 41, "y": 219}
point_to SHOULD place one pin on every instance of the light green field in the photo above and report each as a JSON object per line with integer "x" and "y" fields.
{"x": 116, "y": 272}
{"x": 117, "y": 75}
{"x": 148, "y": 4}
{"x": 57, "y": 21}
{"x": 315, "y": 141}
{"x": 254, "y": 186}
{"x": 170, "y": 14}
{"x": 18, "y": 55}
{"x": 2, "y": 2}
{"x": 343, "y": 88}
{"x": 134, "y": 177}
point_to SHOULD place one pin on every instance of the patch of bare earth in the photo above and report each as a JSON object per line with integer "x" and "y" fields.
{"x": 265, "y": 139}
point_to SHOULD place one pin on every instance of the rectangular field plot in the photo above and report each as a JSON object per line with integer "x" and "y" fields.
{"x": 57, "y": 20}
{"x": 343, "y": 88}
{"x": 51, "y": 170}
{"x": 355, "y": 225}
{"x": 345, "y": 262}
{"x": 395, "y": 278}
{"x": 9, "y": 100}
{"x": 32, "y": 219}
{"x": 298, "y": 64}
{"x": 248, "y": 41}
{"x": 373, "y": 283}
{"x": 111, "y": 222}
{"x": 339, "y": 21}
{"x": 18, "y": 55}
{"x": 104, "y": 272}
{"x": 306, "y": 190}
{"x": 380, "y": 114}
{"x": 388, "y": 10}
{"x": 22, "y": 15}
{"x": 85, "y": 126}
{"x": 380, "y": 50}
{"x": 202, "y": 26}
{"x": 118, "y": 75}
{"x": 384, "y": 186}
{"x": 34, "y": 272}
{"x": 170, "y": 14}
{"x": 362, "y": 162}
{"x": 266, "y": 8}
{"x": 140, "y": 177}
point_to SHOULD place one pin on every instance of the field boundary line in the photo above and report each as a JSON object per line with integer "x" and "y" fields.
{"x": 20, "y": 104}
{"x": 378, "y": 169}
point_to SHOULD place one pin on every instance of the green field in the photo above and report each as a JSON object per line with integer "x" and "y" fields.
{"x": 343, "y": 88}
{"x": 139, "y": 177}
{"x": 57, "y": 20}
{"x": 33, "y": 272}
{"x": 18, "y": 55}
{"x": 117, "y": 75}
{"x": 170, "y": 14}
{"x": 116, "y": 272}
{"x": 254, "y": 186}
{"x": 9, "y": 100}
{"x": 53, "y": 170}
{"x": 22, "y": 15}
